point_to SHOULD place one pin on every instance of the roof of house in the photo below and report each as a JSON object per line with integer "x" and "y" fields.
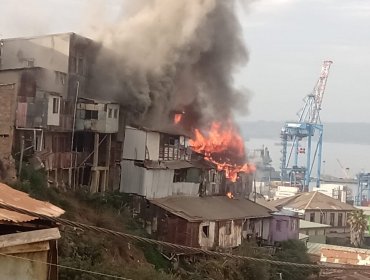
{"x": 22, "y": 200}
{"x": 211, "y": 208}
{"x": 178, "y": 164}
{"x": 286, "y": 212}
{"x": 303, "y": 224}
{"x": 302, "y": 236}
{"x": 311, "y": 201}
{"x": 315, "y": 248}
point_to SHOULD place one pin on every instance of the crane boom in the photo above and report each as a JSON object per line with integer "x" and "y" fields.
{"x": 311, "y": 110}
{"x": 320, "y": 89}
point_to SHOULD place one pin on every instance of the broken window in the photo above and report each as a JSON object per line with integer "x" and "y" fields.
{"x": 91, "y": 114}
{"x": 55, "y": 105}
{"x": 205, "y": 231}
{"x": 312, "y": 217}
{"x": 109, "y": 113}
{"x": 278, "y": 225}
{"x": 228, "y": 228}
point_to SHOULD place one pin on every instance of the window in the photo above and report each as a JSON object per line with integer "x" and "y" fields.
{"x": 312, "y": 217}
{"x": 109, "y": 113}
{"x": 91, "y": 115}
{"x": 55, "y": 105}
{"x": 278, "y": 225}
{"x": 340, "y": 219}
{"x": 228, "y": 228}
{"x": 115, "y": 113}
{"x": 205, "y": 231}
{"x": 322, "y": 218}
{"x": 332, "y": 216}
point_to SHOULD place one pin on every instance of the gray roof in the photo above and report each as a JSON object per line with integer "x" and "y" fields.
{"x": 178, "y": 164}
{"x": 211, "y": 208}
{"x": 303, "y": 224}
{"x": 311, "y": 201}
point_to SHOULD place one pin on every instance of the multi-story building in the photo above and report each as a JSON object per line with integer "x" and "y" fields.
{"x": 49, "y": 74}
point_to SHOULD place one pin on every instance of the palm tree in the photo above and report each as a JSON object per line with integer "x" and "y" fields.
{"x": 357, "y": 221}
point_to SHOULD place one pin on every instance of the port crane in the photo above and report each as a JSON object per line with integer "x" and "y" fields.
{"x": 306, "y": 127}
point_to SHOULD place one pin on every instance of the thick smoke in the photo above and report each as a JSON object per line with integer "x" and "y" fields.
{"x": 162, "y": 56}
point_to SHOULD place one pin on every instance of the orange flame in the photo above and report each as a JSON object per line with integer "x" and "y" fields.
{"x": 223, "y": 146}
{"x": 230, "y": 195}
{"x": 177, "y": 118}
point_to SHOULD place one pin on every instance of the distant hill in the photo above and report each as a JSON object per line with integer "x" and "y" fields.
{"x": 354, "y": 133}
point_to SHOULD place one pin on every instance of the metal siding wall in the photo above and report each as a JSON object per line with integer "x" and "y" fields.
{"x": 185, "y": 188}
{"x": 131, "y": 178}
{"x": 152, "y": 144}
{"x": 134, "y": 144}
{"x": 158, "y": 183}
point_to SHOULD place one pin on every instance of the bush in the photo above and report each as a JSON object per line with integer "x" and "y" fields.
{"x": 293, "y": 251}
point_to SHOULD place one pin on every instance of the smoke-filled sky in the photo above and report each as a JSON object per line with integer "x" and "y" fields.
{"x": 286, "y": 39}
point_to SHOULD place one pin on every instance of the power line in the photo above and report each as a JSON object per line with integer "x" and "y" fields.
{"x": 174, "y": 247}
{"x": 67, "y": 267}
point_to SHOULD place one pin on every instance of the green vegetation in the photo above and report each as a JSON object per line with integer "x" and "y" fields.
{"x": 358, "y": 224}
{"x": 293, "y": 251}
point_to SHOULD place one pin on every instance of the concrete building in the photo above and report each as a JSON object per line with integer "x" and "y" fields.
{"x": 319, "y": 208}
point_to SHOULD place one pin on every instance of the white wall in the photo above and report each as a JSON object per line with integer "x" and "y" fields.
{"x": 205, "y": 242}
{"x": 134, "y": 144}
{"x": 185, "y": 188}
{"x": 158, "y": 183}
{"x": 49, "y": 52}
{"x": 152, "y": 145}
{"x": 151, "y": 183}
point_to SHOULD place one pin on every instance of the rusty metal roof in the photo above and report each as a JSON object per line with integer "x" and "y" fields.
{"x": 22, "y": 200}
{"x": 211, "y": 208}
{"x": 311, "y": 201}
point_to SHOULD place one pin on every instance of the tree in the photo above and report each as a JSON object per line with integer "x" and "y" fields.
{"x": 293, "y": 251}
{"x": 357, "y": 221}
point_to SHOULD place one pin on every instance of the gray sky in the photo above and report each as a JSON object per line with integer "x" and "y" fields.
{"x": 287, "y": 41}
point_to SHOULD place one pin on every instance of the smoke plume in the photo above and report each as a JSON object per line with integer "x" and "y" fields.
{"x": 172, "y": 55}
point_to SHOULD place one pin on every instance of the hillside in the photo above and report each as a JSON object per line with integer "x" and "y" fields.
{"x": 88, "y": 251}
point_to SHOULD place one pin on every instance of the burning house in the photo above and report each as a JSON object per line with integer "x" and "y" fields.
{"x": 158, "y": 164}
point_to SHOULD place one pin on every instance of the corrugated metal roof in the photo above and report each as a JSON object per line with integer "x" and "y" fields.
{"x": 303, "y": 224}
{"x": 312, "y": 201}
{"x": 178, "y": 164}
{"x": 22, "y": 200}
{"x": 212, "y": 208}
{"x": 315, "y": 249}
